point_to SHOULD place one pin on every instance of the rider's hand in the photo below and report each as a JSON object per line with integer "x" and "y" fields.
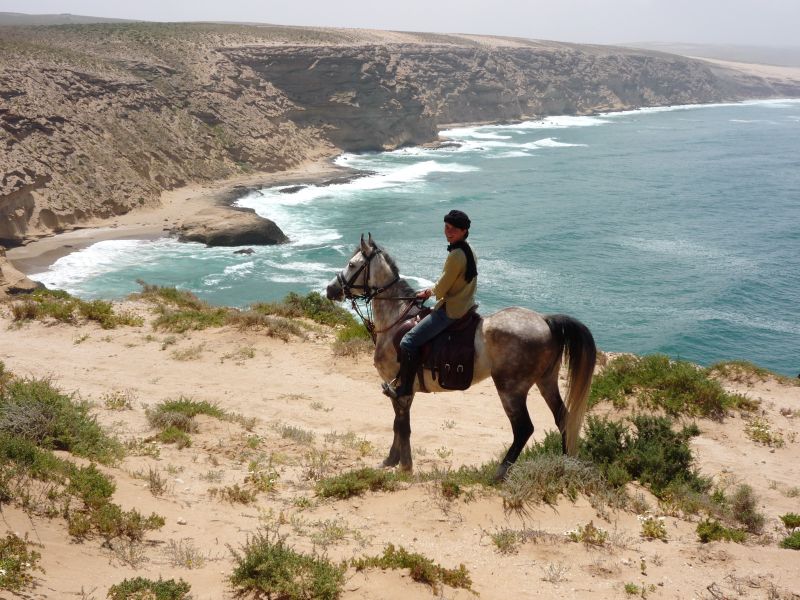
{"x": 424, "y": 294}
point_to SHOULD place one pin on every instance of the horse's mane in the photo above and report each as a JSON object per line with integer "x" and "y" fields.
{"x": 402, "y": 285}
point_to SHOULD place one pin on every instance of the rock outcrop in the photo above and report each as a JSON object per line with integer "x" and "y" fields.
{"x": 13, "y": 281}
{"x": 96, "y": 120}
{"x": 226, "y": 226}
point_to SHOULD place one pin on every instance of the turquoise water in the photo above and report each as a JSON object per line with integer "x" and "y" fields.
{"x": 664, "y": 230}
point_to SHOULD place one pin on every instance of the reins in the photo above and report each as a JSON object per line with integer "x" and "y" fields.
{"x": 372, "y": 293}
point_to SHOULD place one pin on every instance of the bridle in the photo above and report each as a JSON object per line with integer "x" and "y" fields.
{"x": 369, "y": 293}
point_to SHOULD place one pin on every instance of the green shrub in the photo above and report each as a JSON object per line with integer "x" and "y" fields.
{"x": 267, "y": 567}
{"x": 421, "y": 568}
{"x": 545, "y": 477}
{"x": 61, "y": 306}
{"x": 140, "y": 588}
{"x": 91, "y": 486}
{"x": 355, "y": 483}
{"x": 171, "y": 295}
{"x": 311, "y": 306}
{"x": 16, "y": 563}
{"x": 746, "y": 372}
{"x": 791, "y": 542}
{"x": 653, "y": 453}
{"x": 791, "y": 520}
{"x": 744, "y": 509}
{"x": 189, "y": 319}
{"x": 353, "y": 331}
{"x": 174, "y": 435}
{"x": 34, "y": 410}
{"x": 710, "y": 530}
{"x": 658, "y": 382}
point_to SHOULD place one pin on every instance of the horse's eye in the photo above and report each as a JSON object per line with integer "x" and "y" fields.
{"x": 351, "y": 264}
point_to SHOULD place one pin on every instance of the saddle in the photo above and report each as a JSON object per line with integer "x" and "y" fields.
{"x": 450, "y": 356}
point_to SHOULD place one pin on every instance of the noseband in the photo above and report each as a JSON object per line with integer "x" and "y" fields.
{"x": 367, "y": 292}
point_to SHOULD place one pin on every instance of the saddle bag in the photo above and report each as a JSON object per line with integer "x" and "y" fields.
{"x": 452, "y": 356}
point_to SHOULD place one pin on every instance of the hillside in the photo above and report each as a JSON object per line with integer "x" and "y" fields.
{"x": 99, "y": 119}
{"x": 291, "y": 414}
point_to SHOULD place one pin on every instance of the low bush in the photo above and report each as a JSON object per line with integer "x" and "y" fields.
{"x": 711, "y": 530}
{"x": 743, "y": 371}
{"x": 266, "y": 566}
{"x": 17, "y": 561}
{"x": 175, "y": 418}
{"x": 140, "y": 588}
{"x": 652, "y": 453}
{"x": 658, "y": 382}
{"x": 744, "y": 509}
{"x": 546, "y": 477}
{"x": 792, "y": 541}
{"x": 34, "y": 410}
{"x": 355, "y": 483}
{"x": 311, "y": 306}
{"x": 61, "y": 306}
{"x": 791, "y": 521}
{"x": 421, "y": 568}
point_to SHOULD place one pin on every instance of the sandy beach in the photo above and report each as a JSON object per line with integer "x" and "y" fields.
{"x": 175, "y": 206}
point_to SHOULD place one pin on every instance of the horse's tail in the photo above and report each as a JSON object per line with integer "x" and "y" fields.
{"x": 580, "y": 354}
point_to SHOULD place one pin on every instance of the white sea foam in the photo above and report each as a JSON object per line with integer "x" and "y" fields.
{"x": 92, "y": 262}
{"x": 549, "y": 143}
{"x": 512, "y": 154}
{"x": 240, "y": 270}
{"x": 299, "y": 266}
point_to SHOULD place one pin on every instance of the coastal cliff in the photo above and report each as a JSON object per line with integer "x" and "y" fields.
{"x": 96, "y": 120}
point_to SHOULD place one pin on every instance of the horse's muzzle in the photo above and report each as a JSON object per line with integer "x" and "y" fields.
{"x": 334, "y": 290}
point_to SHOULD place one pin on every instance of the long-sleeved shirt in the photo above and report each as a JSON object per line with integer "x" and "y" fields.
{"x": 452, "y": 289}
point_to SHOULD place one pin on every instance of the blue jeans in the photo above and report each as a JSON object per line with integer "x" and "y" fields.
{"x": 425, "y": 330}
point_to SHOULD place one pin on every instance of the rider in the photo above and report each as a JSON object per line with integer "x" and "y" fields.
{"x": 455, "y": 292}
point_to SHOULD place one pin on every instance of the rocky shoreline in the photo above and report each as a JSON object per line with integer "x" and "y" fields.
{"x": 98, "y": 120}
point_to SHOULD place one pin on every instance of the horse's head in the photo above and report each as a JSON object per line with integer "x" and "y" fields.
{"x": 365, "y": 275}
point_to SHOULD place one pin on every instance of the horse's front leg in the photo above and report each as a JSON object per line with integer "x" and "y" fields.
{"x": 400, "y": 452}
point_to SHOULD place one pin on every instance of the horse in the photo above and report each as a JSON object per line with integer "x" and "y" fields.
{"x": 515, "y": 346}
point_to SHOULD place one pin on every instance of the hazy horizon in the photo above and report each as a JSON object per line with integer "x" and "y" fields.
{"x": 735, "y": 22}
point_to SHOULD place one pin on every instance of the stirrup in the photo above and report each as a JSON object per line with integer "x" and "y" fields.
{"x": 389, "y": 390}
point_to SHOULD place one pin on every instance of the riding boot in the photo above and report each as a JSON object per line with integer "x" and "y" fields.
{"x": 409, "y": 364}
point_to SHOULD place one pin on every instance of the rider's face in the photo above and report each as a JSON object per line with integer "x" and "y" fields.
{"x": 453, "y": 234}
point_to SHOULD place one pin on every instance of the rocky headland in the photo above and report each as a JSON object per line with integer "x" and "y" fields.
{"x": 97, "y": 120}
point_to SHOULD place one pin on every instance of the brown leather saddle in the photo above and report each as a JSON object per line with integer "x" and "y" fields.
{"x": 450, "y": 356}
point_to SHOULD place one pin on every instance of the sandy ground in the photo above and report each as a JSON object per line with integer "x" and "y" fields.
{"x": 768, "y": 71}
{"x": 301, "y": 384}
{"x": 151, "y": 223}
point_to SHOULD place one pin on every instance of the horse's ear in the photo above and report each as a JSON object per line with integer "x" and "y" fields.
{"x": 369, "y": 240}
{"x": 364, "y": 246}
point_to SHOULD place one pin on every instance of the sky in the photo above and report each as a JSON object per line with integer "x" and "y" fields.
{"x": 741, "y": 22}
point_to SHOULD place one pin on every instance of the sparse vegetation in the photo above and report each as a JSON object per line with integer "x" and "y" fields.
{"x": 588, "y": 535}
{"x": 791, "y": 521}
{"x": 546, "y": 477}
{"x": 653, "y": 453}
{"x": 185, "y": 554}
{"x": 760, "y": 430}
{"x": 742, "y": 371}
{"x": 140, "y": 588}
{"x": 355, "y": 483}
{"x": 175, "y": 419}
{"x": 235, "y": 494}
{"x": 65, "y": 308}
{"x": 265, "y": 566}
{"x": 658, "y": 382}
{"x": 653, "y": 527}
{"x": 17, "y": 563}
{"x": 791, "y": 541}
{"x": 711, "y": 530}
{"x": 421, "y": 568}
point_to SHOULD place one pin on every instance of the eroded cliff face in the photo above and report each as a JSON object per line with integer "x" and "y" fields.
{"x": 96, "y": 120}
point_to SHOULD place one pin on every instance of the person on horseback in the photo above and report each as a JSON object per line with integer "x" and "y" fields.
{"x": 455, "y": 293}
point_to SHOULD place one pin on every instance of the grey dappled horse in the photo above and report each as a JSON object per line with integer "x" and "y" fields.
{"x": 515, "y": 346}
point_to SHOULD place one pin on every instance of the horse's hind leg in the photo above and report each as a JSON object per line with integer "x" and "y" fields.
{"x": 548, "y": 386}
{"x": 514, "y": 403}
{"x": 400, "y": 452}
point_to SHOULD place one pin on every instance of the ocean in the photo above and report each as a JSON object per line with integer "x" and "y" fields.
{"x": 672, "y": 230}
